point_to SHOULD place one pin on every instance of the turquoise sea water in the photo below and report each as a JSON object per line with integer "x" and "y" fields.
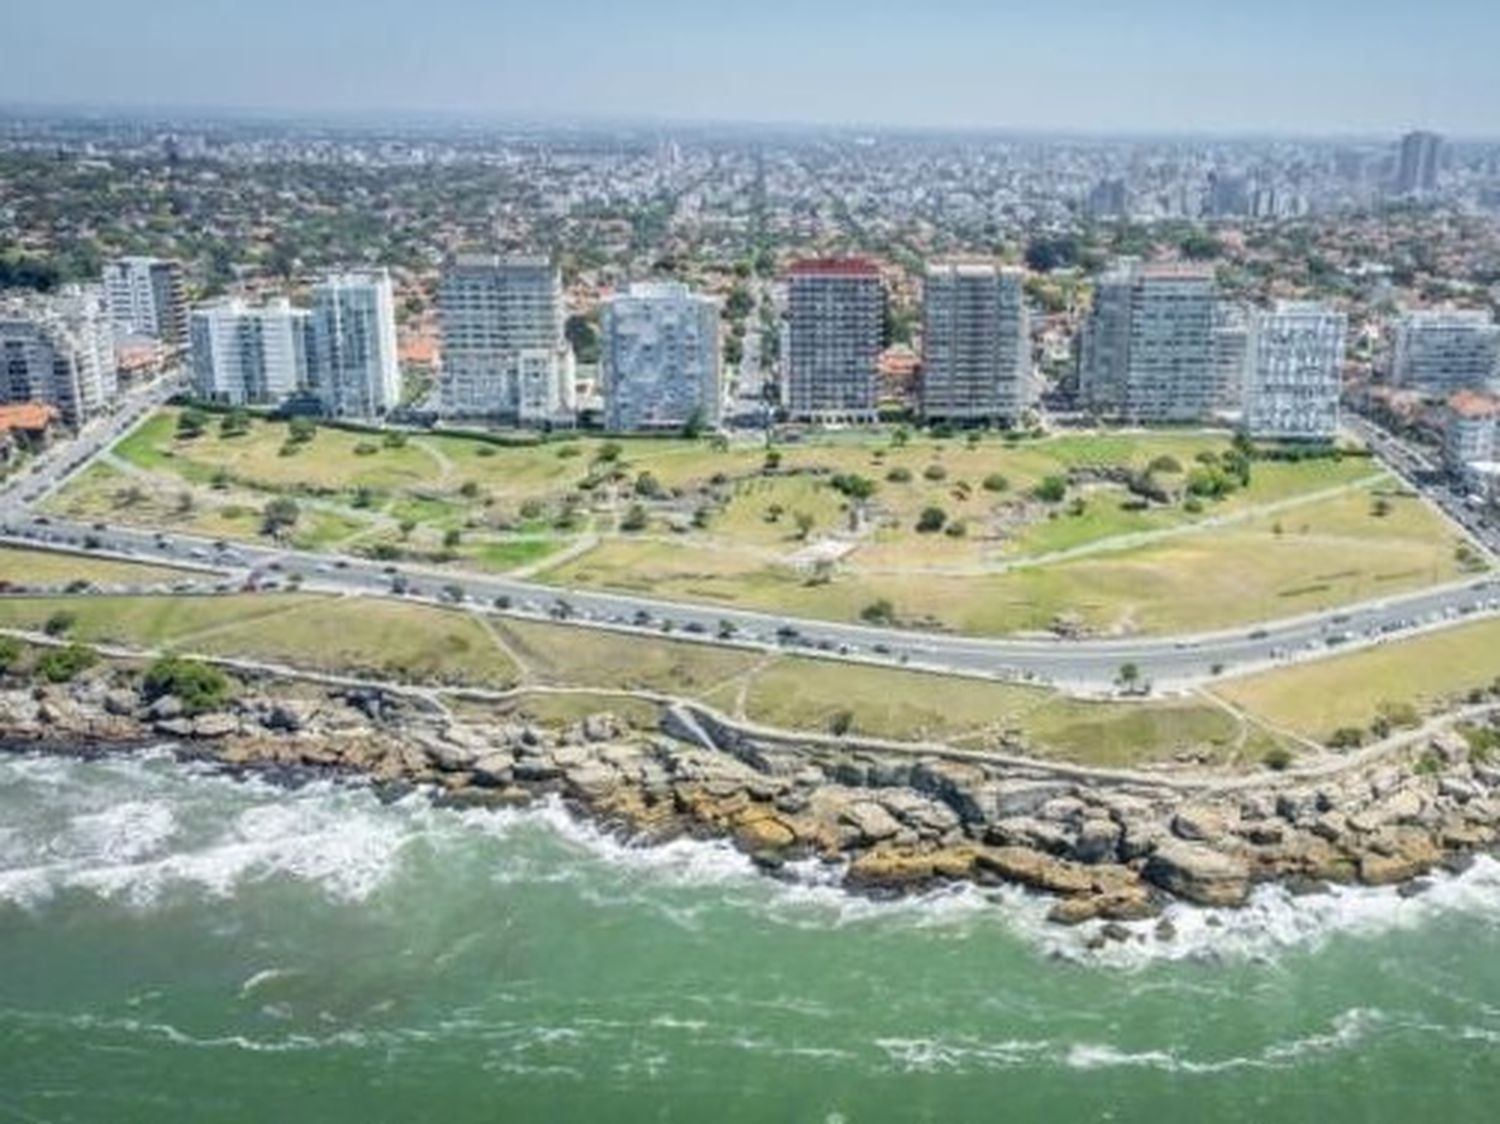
{"x": 179, "y": 946}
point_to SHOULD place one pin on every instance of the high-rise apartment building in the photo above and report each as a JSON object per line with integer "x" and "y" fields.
{"x": 976, "y": 344}
{"x": 659, "y": 360}
{"x": 249, "y": 355}
{"x": 1417, "y": 163}
{"x": 58, "y": 349}
{"x": 505, "y": 357}
{"x": 1439, "y": 351}
{"x": 1293, "y": 372}
{"x": 146, "y": 298}
{"x": 1231, "y": 352}
{"x": 835, "y": 319}
{"x": 351, "y": 359}
{"x": 1471, "y": 431}
{"x": 1147, "y": 353}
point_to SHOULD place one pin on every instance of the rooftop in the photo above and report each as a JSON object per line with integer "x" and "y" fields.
{"x": 27, "y": 417}
{"x": 833, "y": 267}
{"x": 1474, "y": 404}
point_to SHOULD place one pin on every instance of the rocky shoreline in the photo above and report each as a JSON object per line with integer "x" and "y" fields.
{"x": 890, "y": 822}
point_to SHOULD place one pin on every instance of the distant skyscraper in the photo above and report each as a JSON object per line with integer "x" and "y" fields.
{"x": 1147, "y": 352}
{"x": 146, "y": 299}
{"x": 1417, "y": 163}
{"x": 1228, "y": 195}
{"x": 58, "y": 349}
{"x": 976, "y": 345}
{"x": 1439, "y": 351}
{"x": 835, "y": 320}
{"x": 1293, "y": 373}
{"x": 1108, "y": 199}
{"x": 244, "y": 355}
{"x": 504, "y": 354}
{"x": 660, "y": 358}
{"x": 351, "y": 359}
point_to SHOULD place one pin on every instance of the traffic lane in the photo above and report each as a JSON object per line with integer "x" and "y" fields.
{"x": 1090, "y": 664}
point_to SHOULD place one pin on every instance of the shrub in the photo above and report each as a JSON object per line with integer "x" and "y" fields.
{"x": 10, "y": 652}
{"x": 59, "y": 665}
{"x": 841, "y": 723}
{"x": 191, "y": 423}
{"x": 395, "y": 439}
{"x": 60, "y": 622}
{"x": 451, "y": 538}
{"x": 1346, "y": 737}
{"x": 300, "y": 431}
{"x": 878, "y": 612}
{"x": 531, "y": 509}
{"x": 1165, "y": 463}
{"x": 935, "y": 472}
{"x": 648, "y": 486}
{"x": 957, "y": 529}
{"x": 279, "y": 515}
{"x": 995, "y": 482}
{"x": 1193, "y": 505}
{"x": 566, "y": 452}
{"x": 853, "y": 486}
{"x": 931, "y": 520}
{"x": 899, "y": 476}
{"x": 635, "y": 519}
{"x": 1278, "y": 757}
{"x": 200, "y": 687}
{"x": 1051, "y": 489}
{"x": 366, "y": 449}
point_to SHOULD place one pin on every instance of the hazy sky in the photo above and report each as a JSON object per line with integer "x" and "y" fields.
{"x": 1304, "y": 66}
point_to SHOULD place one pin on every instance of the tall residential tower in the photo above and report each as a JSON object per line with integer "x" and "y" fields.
{"x": 835, "y": 319}
{"x": 976, "y": 345}
{"x": 505, "y": 357}
{"x": 245, "y": 355}
{"x": 351, "y": 359}
{"x": 660, "y": 358}
{"x": 146, "y": 299}
{"x": 1293, "y": 372}
{"x": 1148, "y": 353}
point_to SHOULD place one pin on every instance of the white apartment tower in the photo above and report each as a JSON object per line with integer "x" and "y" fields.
{"x": 659, "y": 366}
{"x": 247, "y": 355}
{"x": 146, "y": 299}
{"x": 976, "y": 344}
{"x": 351, "y": 358}
{"x": 58, "y": 349}
{"x": 1293, "y": 372}
{"x": 1440, "y": 351}
{"x": 1148, "y": 348}
{"x": 835, "y": 319}
{"x": 505, "y": 357}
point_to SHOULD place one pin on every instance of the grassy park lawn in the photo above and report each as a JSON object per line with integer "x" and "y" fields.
{"x": 1301, "y": 536}
{"x": 44, "y": 568}
{"x": 418, "y": 643}
{"x": 1322, "y": 554}
{"x": 1426, "y": 672}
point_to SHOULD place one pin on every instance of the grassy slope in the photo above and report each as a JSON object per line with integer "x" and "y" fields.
{"x": 1316, "y": 699}
{"x": 42, "y": 567}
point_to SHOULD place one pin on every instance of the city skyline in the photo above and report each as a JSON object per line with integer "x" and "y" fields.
{"x": 1161, "y": 67}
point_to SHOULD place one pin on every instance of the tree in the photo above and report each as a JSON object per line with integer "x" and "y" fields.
{"x": 1051, "y": 489}
{"x": 236, "y": 423}
{"x": 10, "y": 652}
{"x": 931, "y": 520}
{"x": 805, "y": 523}
{"x": 635, "y": 519}
{"x": 852, "y": 486}
{"x": 692, "y": 429}
{"x": 880, "y": 611}
{"x": 1130, "y": 675}
{"x": 935, "y": 472}
{"x": 647, "y": 486}
{"x": 608, "y": 453}
{"x": 300, "y": 431}
{"x": 191, "y": 423}
{"x": 451, "y": 538}
{"x": 200, "y": 687}
{"x": 279, "y": 515}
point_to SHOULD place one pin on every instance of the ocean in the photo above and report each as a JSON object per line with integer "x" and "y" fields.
{"x": 179, "y": 945}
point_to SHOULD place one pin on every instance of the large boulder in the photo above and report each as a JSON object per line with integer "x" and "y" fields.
{"x": 1199, "y": 874}
{"x": 871, "y": 820}
{"x": 1200, "y": 823}
{"x": 215, "y": 725}
{"x": 1032, "y": 868}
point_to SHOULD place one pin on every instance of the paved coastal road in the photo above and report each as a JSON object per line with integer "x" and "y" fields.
{"x": 1090, "y": 666}
{"x": 1086, "y": 665}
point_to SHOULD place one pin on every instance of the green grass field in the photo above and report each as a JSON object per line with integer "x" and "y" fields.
{"x": 1300, "y": 537}
{"x": 1427, "y": 672}
{"x": 44, "y": 568}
